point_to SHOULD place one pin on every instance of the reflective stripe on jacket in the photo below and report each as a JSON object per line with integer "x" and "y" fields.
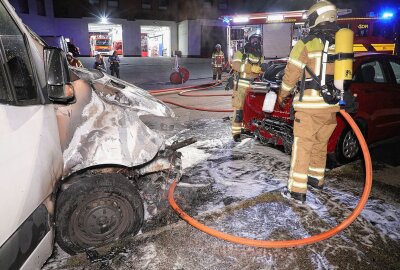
{"x": 218, "y": 59}
{"x": 302, "y": 54}
{"x": 249, "y": 68}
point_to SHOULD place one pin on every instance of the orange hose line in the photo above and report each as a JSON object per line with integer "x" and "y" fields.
{"x": 297, "y": 242}
{"x": 197, "y": 108}
{"x": 193, "y": 87}
{"x": 155, "y": 91}
{"x": 183, "y": 94}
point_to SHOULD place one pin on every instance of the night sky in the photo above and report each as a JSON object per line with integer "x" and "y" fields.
{"x": 359, "y": 7}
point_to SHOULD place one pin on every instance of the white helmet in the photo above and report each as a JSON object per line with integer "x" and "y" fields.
{"x": 70, "y": 54}
{"x": 323, "y": 11}
{"x": 218, "y": 46}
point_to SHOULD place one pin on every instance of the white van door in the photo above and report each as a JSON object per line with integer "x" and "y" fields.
{"x": 277, "y": 40}
{"x": 30, "y": 156}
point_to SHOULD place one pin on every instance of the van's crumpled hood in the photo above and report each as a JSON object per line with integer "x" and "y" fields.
{"x": 104, "y": 124}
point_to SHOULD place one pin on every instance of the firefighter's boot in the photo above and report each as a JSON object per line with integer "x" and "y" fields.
{"x": 237, "y": 138}
{"x": 313, "y": 182}
{"x": 298, "y": 197}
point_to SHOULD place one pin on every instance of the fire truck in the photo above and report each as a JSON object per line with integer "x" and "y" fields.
{"x": 281, "y": 30}
{"x": 101, "y": 44}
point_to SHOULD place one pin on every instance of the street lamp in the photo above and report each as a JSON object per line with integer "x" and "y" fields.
{"x": 103, "y": 19}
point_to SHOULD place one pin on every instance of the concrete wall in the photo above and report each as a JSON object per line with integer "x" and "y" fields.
{"x": 190, "y": 36}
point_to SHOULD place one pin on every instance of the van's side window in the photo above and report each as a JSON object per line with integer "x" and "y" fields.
{"x": 17, "y": 63}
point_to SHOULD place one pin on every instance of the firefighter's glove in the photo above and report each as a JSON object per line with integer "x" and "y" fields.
{"x": 255, "y": 69}
{"x": 282, "y": 101}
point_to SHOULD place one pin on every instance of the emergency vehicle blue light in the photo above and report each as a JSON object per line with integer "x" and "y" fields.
{"x": 227, "y": 20}
{"x": 387, "y": 15}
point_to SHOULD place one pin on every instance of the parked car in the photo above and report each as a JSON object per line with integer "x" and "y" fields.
{"x": 74, "y": 142}
{"x": 376, "y": 85}
{"x": 73, "y": 49}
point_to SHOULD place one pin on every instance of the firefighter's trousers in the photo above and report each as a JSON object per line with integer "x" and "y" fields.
{"x": 240, "y": 89}
{"x": 217, "y": 73}
{"x": 312, "y": 131}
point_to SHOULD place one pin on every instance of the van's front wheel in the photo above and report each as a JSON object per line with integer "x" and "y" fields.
{"x": 96, "y": 210}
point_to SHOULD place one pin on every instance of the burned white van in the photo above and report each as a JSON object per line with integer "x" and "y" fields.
{"x": 72, "y": 144}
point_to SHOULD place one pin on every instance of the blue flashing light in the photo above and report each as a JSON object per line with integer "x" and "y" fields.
{"x": 227, "y": 20}
{"x": 387, "y": 15}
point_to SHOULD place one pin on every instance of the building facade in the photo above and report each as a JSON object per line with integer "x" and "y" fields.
{"x": 145, "y": 27}
{"x": 137, "y": 28}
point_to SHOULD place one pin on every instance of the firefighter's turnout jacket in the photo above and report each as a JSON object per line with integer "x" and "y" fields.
{"x": 315, "y": 120}
{"x": 247, "y": 67}
{"x": 218, "y": 63}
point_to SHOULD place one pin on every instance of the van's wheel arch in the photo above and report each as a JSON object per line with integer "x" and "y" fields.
{"x": 348, "y": 148}
{"x": 95, "y": 210}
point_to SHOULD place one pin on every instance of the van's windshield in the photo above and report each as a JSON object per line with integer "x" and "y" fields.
{"x": 87, "y": 74}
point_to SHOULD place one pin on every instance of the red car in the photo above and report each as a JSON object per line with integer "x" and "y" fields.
{"x": 376, "y": 85}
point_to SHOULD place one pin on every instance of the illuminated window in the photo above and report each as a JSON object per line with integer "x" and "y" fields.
{"x": 113, "y": 3}
{"x": 41, "y": 8}
{"x": 23, "y": 6}
{"x": 146, "y": 4}
{"x": 163, "y": 4}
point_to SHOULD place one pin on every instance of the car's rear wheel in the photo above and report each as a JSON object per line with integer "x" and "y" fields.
{"x": 347, "y": 148}
{"x": 96, "y": 210}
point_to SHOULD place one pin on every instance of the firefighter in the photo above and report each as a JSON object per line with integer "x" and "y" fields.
{"x": 218, "y": 63}
{"x": 315, "y": 119}
{"x": 247, "y": 64}
{"x": 72, "y": 61}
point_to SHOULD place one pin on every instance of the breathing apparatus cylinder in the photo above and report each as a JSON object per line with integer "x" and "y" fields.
{"x": 344, "y": 58}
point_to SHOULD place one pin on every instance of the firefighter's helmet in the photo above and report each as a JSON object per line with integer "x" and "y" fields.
{"x": 323, "y": 11}
{"x": 218, "y": 46}
{"x": 254, "y": 37}
{"x": 253, "y": 44}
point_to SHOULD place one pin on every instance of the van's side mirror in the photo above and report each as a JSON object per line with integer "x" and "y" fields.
{"x": 59, "y": 85}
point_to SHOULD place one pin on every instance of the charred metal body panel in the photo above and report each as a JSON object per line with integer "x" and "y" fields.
{"x": 104, "y": 127}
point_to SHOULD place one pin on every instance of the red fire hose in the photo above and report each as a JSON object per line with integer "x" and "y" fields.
{"x": 296, "y": 242}
{"x": 183, "y": 91}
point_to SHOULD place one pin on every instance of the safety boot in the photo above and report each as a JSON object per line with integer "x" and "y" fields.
{"x": 237, "y": 138}
{"x": 298, "y": 197}
{"x": 313, "y": 182}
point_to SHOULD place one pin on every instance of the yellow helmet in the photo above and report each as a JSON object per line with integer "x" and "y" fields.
{"x": 323, "y": 11}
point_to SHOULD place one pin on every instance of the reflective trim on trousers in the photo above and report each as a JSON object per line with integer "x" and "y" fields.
{"x": 299, "y": 175}
{"x": 286, "y": 87}
{"x": 298, "y": 184}
{"x": 318, "y": 170}
{"x": 297, "y": 63}
{"x": 294, "y": 156}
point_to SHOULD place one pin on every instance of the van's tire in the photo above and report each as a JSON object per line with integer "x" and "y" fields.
{"x": 348, "y": 148}
{"x": 96, "y": 210}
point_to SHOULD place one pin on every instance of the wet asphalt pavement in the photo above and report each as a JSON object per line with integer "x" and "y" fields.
{"x": 236, "y": 188}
